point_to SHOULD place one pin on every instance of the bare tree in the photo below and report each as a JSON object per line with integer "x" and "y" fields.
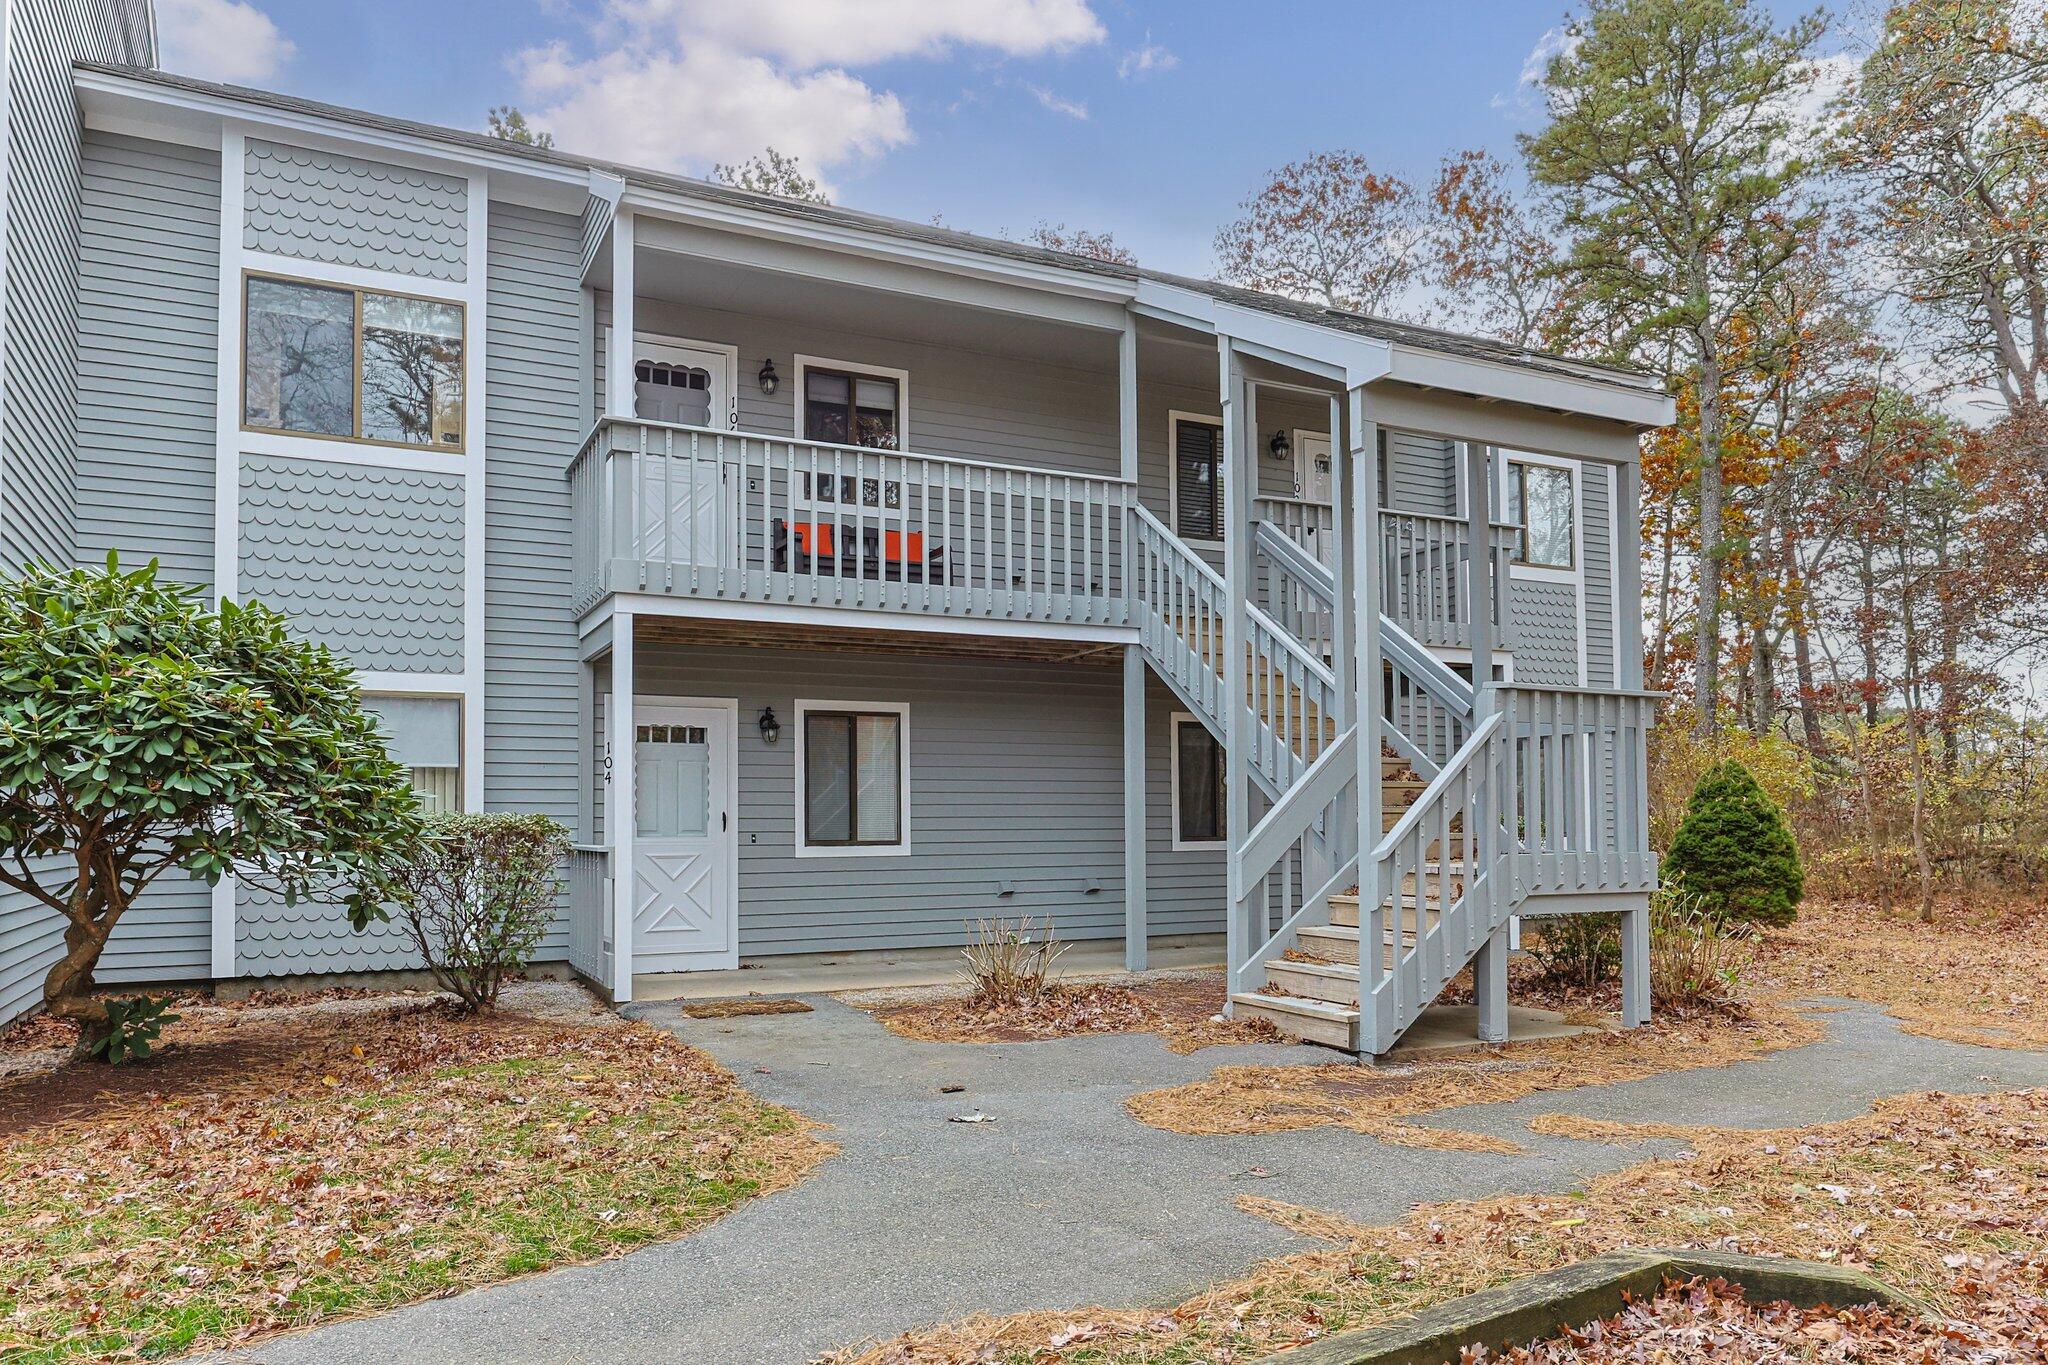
{"x": 1331, "y": 230}
{"x": 772, "y": 173}
{"x": 1101, "y": 246}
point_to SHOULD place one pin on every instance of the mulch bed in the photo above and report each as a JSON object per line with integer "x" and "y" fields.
{"x": 1707, "y": 1322}
{"x": 1237, "y": 1100}
{"x": 1181, "y": 1008}
{"x": 276, "y": 1167}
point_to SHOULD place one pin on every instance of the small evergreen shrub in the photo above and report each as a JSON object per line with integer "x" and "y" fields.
{"x": 1734, "y": 850}
{"x": 133, "y": 1027}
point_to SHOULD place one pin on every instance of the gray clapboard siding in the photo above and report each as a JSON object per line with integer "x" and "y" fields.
{"x": 347, "y": 210}
{"x": 39, "y": 204}
{"x": 365, "y": 560}
{"x": 1422, "y": 474}
{"x": 1015, "y": 774}
{"x": 1594, "y": 504}
{"x": 149, "y": 276}
{"x": 532, "y": 427}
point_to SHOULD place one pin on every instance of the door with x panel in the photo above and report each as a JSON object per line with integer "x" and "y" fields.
{"x": 685, "y": 843}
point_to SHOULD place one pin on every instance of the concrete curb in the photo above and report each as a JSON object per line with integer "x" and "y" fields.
{"x": 1543, "y": 1305}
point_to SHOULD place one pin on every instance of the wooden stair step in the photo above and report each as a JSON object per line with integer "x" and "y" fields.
{"x": 1310, "y": 1021}
{"x": 1335, "y": 982}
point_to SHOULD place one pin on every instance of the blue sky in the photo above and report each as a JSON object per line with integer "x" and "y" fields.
{"x": 1151, "y": 120}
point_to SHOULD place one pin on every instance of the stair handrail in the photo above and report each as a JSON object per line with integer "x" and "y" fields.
{"x": 1314, "y": 575}
{"x": 1323, "y": 782}
{"x": 1414, "y": 815}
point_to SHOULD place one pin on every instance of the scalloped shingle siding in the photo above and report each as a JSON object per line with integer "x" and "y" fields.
{"x": 319, "y": 206}
{"x": 366, "y": 560}
{"x": 1546, "y": 626}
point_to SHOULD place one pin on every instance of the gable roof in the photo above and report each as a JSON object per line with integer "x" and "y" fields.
{"x": 482, "y": 144}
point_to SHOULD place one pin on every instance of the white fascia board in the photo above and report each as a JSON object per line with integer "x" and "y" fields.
{"x": 1339, "y": 356}
{"x": 876, "y": 244}
{"x": 1638, "y": 407}
{"x": 118, "y": 104}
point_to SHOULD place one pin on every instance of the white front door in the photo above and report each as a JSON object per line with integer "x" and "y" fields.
{"x": 1312, "y": 467}
{"x": 690, "y": 502}
{"x": 685, "y": 837}
{"x": 686, "y": 382}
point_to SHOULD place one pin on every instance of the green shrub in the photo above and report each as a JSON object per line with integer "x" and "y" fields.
{"x": 1734, "y": 850}
{"x": 1577, "y": 952}
{"x": 133, "y": 1026}
{"x": 476, "y": 897}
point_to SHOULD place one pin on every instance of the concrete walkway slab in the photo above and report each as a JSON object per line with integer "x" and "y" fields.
{"x": 1063, "y": 1199}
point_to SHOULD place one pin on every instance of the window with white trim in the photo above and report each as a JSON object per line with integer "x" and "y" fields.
{"x": 424, "y": 734}
{"x": 853, "y": 793}
{"x": 351, "y": 364}
{"x": 1543, "y": 500}
{"x": 1200, "y": 791}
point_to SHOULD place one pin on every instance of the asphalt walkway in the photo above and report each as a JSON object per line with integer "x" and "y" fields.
{"x": 1063, "y": 1199}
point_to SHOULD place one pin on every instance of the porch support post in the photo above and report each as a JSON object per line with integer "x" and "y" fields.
{"x": 1127, "y": 397}
{"x": 618, "y": 357}
{"x": 1490, "y": 967}
{"x": 1364, "y": 501}
{"x": 1479, "y": 576}
{"x": 1635, "y": 966}
{"x": 1628, "y": 560}
{"x": 1237, "y": 510}
{"x": 619, "y": 814}
{"x": 1490, "y": 986}
{"x": 1134, "y": 808}
{"x": 1343, "y": 569}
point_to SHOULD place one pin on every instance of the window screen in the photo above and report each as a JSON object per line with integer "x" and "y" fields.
{"x": 1198, "y": 480}
{"x": 853, "y": 778}
{"x": 1200, "y": 803}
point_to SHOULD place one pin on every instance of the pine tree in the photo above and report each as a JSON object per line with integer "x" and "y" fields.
{"x": 1735, "y": 851}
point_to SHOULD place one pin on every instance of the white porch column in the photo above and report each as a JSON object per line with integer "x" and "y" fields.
{"x": 1490, "y": 986}
{"x": 620, "y": 815}
{"x": 1127, "y": 397}
{"x": 1134, "y": 808}
{"x": 618, "y": 356}
{"x": 1479, "y": 574}
{"x": 1343, "y": 569}
{"x": 1635, "y": 967}
{"x": 1364, "y": 502}
{"x": 1237, "y": 511}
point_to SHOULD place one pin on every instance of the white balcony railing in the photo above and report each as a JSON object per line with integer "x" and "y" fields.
{"x": 721, "y": 514}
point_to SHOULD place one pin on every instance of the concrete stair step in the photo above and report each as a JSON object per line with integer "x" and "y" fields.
{"x": 1310, "y": 1021}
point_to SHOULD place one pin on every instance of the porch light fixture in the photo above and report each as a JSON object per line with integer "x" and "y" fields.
{"x": 771, "y": 728}
{"x": 1281, "y": 447}
{"x": 768, "y": 378}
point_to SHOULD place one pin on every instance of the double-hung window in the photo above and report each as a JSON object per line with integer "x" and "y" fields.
{"x": 1197, "y": 479}
{"x": 852, "y": 795}
{"x": 1200, "y": 792}
{"x": 424, "y": 734}
{"x": 847, "y": 408}
{"x": 1543, "y": 500}
{"x": 353, "y": 364}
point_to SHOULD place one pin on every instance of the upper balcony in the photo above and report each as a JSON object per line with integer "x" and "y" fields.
{"x": 725, "y": 515}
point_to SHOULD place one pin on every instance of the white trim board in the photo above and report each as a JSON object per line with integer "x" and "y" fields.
{"x": 802, "y": 706}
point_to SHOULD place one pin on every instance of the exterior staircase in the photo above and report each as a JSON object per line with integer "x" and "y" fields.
{"x": 1298, "y": 962}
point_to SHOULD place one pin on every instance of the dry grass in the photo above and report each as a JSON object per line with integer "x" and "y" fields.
{"x": 1182, "y": 1009}
{"x": 1943, "y": 1197}
{"x": 1977, "y": 975}
{"x": 277, "y": 1168}
{"x": 741, "y": 1009}
{"x": 1273, "y": 1099}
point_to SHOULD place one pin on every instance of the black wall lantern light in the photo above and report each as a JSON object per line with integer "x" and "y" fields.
{"x": 768, "y": 378}
{"x": 1280, "y": 446}
{"x": 771, "y": 728}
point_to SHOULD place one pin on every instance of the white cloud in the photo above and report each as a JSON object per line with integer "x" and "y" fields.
{"x": 1059, "y": 103}
{"x": 685, "y": 83}
{"x": 1556, "y": 42}
{"x": 1143, "y": 61}
{"x": 220, "y": 40}
{"x": 687, "y": 109}
{"x": 814, "y": 33}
